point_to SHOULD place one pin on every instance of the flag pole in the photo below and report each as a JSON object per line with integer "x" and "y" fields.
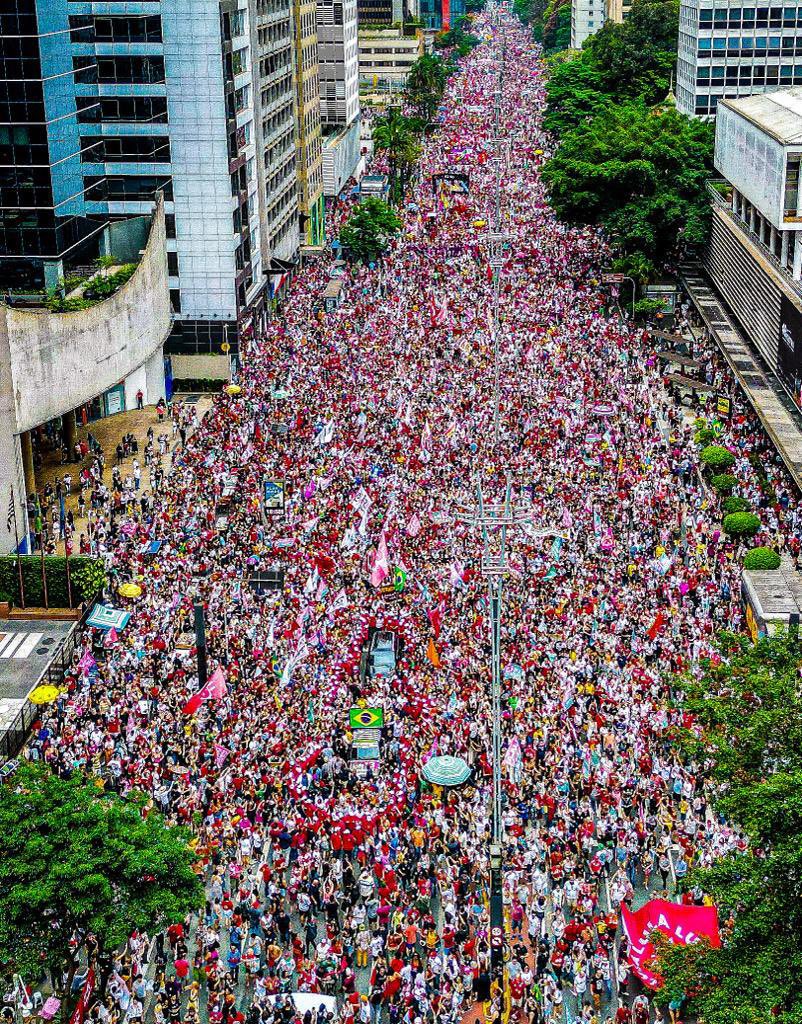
{"x": 16, "y": 547}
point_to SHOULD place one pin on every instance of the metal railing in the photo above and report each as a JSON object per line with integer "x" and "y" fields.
{"x": 720, "y": 203}
{"x": 13, "y": 740}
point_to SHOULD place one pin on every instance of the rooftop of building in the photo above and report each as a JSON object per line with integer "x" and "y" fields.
{"x": 778, "y": 114}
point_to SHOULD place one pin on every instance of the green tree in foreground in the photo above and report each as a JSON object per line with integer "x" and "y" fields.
{"x": 369, "y": 229}
{"x": 749, "y": 710}
{"x": 79, "y": 864}
{"x": 638, "y": 172}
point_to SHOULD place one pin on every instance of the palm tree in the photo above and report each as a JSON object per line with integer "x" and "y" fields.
{"x": 393, "y": 134}
{"x": 425, "y": 84}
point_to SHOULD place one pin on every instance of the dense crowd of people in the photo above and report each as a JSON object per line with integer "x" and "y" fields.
{"x": 363, "y": 881}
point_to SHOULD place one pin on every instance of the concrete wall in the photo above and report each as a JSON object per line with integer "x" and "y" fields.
{"x": 201, "y": 367}
{"x": 58, "y": 361}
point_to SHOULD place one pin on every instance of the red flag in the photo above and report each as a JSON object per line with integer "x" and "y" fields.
{"x": 436, "y": 619}
{"x": 214, "y": 689}
{"x": 659, "y": 621}
{"x": 682, "y": 924}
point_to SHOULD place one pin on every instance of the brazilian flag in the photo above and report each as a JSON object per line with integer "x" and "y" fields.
{"x": 365, "y": 718}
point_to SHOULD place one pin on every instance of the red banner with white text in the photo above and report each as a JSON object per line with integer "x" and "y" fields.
{"x": 682, "y": 924}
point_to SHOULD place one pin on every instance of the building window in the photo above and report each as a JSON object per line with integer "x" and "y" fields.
{"x": 130, "y": 70}
{"x": 125, "y": 148}
{"x": 135, "y": 188}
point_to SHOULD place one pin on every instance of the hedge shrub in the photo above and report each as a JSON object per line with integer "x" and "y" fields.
{"x": 704, "y": 436}
{"x": 724, "y": 483}
{"x": 84, "y": 574}
{"x": 716, "y": 458}
{"x": 741, "y": 524}
{"x": 762, "y": 558}
{"x": 735, "y": 503}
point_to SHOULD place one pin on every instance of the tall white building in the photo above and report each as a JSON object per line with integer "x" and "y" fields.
{"x": 274, "y": 84}
{"x": 726, "y": 50}
{"x": 755, "y": 253}
{"x": 338, "y": 59}
{"x": 587, "y": 17}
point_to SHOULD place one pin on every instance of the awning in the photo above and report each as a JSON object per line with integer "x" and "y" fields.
{"x": 278, "y": 266}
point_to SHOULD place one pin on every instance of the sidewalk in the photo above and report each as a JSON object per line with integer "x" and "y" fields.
{"x": 108, "y": 432}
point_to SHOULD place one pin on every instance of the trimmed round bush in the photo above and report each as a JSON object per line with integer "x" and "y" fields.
{"x": 704, "y": 435}
{"x": 741, "y": 524}
{"x": 716, "y": 458}
{"x": 724, "y": 483}
{"x": 762, "y": 558}
{"x": 735, "y": 503}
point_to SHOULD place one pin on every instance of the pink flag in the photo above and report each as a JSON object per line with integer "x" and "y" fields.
{"x": 87, "y": 662}
{"x": 110, "y": 638}
{"x": 457, "y": 575}
{"x": 381, "y": 563}
{"x": 413, "y": 526}
{"x": 220, "y": 754}
{"x": 217, "y": 684}
{"x": 426, "y": 437}
{"x": 214, "y": 689}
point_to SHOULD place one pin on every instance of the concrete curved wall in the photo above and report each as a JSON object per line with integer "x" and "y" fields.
{"x": 58, "y": 361}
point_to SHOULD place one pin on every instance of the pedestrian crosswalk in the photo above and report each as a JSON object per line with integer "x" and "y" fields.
{"x": 19, "y": 645}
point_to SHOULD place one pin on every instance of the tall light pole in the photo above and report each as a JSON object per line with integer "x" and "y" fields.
{"x": 493, "y": 520}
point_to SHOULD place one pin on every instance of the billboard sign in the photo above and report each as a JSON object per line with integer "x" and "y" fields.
{"x": 273, "y": 496}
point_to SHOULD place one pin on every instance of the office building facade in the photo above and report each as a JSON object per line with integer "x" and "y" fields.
{"x": 754, "y": 257}
{"x": 587, "y": 17}
{"x": 617, "y": 11}
{"x": 726, "y": 50}
{"x": 338, "y": 58}
{"x": 112, "y": 104}
{"x": 44, "y": 224}
{"x": 385, "y": 57}
{"x": 273, "y": 46}
{"x": 308, "y": 140}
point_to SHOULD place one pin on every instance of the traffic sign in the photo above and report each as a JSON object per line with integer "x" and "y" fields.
{"x": 613, "y": 278}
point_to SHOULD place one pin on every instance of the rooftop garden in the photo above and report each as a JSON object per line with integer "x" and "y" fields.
{"x": 77, "y": 292}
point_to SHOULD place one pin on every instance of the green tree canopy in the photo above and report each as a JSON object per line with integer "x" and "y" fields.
{"x": 369, "y": 229}
{"x": 638, "y": 172}
{"x": 636, "y": 58}
{"x": 426, "y": 81}
{"x": 747, "y": 711}
{"x": 633, "y": 60}
{"x": 79, "y": 863}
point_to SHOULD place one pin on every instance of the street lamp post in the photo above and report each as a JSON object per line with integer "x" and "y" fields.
{"x": 493, "y": 520}
{"x": 200, "y": 641}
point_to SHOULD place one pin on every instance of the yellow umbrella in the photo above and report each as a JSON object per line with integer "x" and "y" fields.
{"x": 233, "y": 389}
{"x": 479, "y": 223}
{"x": 129, "y": 590}
{"x": 44, "y": 694}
